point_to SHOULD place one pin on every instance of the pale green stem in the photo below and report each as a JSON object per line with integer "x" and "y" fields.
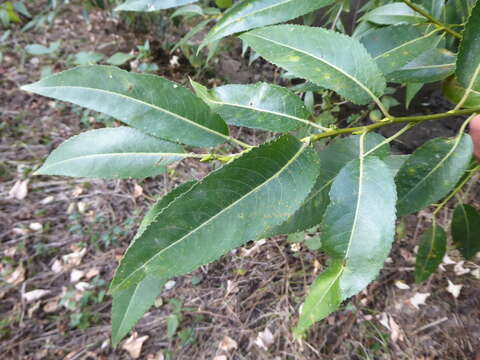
{"x": 390, "y": 121}
{"x": 432, "y": 20}
{"x": 391, "y": 138}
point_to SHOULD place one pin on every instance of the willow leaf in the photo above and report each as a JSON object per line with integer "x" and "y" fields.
{"x": 357, "y": 233}
{"x": 431, "y": 172}
{"x": 466, "y": 230}
{"x": 326, "y": 58}
{"x": 151, "y": 5}
{"x": 129, "y": 305}
{"x": 393, "y": 47}
{"x": 468, "y": 62}
{"x": 112, "y": 153}
{"x": 147, "y": 102}
{"x": 332, "y": 159}
{"x": 394, "y": 14}
{"x": 261, "y": 106}
{"x": 251, "y": 14}
{"x": 431, "y": 251}
{"x": 235, "y": 204}
{"x": 432, "y": 66}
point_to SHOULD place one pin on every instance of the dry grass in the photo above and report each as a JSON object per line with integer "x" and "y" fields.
{"x": 239, "y": 296}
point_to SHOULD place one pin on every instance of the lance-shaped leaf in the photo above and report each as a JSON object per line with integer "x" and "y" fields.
{"x": 431, "y": 172}
{"x": 229, "y": 207}
{"x": 326, "y": 58}
{"x": 261, "y": 106}
{"x": 147, "y": 102}
{"x": 393, "y": 47}
{"x": 468, "y": 62}
{"x": 129, "y": 305}
{"x": 432, "y": 66}
{"x": 112, "y": 153}
{"x": 392, "y": 14}
{"x": 433, "y": 245}
{"x": 251, "y": 14}
{"x": 151, "y": 5}
{"x": 357, "y": 233}
{"x": 466, "y": 230}
{"x": 332, "y": 159}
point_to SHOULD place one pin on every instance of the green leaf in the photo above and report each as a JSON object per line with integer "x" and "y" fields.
{"x": 393, "y": 14}
{"x": 395, "y": 162}
{"x": 173, "y": 321}
{"x": 324, "y": 297}
{"x": 112, "y": 153}
{"x": 432, "y": 66}
{"x": 433, "y": 246}
{"x": 357, "y": 233}
{"x": 393, "y": 47}
{"x": 193, "y": 31}
{"x": 151, "y": 5}
{"x": 466, "y": 230}
{"x": 314, "y": 243}
{"x": 119, "y": 58}
{"x": 161, "y": 204}
{"x": 251, "y": 14}
{"x": 468, "y": 61}
{"x": 231, "y": 206}
{"x": 431, "y": 172}
{"x": 332, "y": 160}
{"x": 261, "y": 106}
{"x": 37, "y": 49}
{"x": 147, "y": 102}
{"x": 129, "y": 305}
{"x": 412, "y": 89}
{"x": 326, "y": 58}
{"x": 87, "y": 58}
{"x": 188, "y": 11}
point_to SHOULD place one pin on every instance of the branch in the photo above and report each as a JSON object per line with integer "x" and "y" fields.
{"x": 389, "y": 121}
{"x": 431, "y": 19}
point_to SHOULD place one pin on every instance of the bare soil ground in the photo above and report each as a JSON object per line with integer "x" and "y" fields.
{"x": 65, "y": 236}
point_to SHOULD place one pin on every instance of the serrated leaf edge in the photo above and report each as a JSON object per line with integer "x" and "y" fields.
{"x": 359, "y": 83}
{"x": 287, "y": 164}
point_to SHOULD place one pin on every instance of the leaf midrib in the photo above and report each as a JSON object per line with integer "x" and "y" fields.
{"x": 84, "y": 157}
{"x": 435, "y": 168}
{"x": 423, "y": 67}
{"x": 253, "y": 14}
{"x": 331, "y": 285}
{"x": 467, "y": 223}
{"x": 359, "y": 83}
{"x": 431, "y": 244}
{"x": 359, "y": 199}
{"x": 134, "y": 100}
{"x": 470, "y": 87}
{"x": 277, "y": 174}
{"x": 405, "y": 44}
{"x": 305, "y": 121}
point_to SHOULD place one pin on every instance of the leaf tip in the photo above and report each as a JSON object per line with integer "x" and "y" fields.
{"x": 28, "y": 87}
